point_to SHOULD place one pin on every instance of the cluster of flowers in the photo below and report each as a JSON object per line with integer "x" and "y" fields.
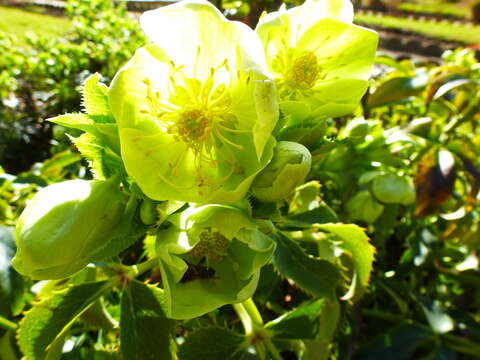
{"x": 209, "y": 113}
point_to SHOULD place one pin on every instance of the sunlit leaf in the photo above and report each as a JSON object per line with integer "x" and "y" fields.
{"x": 316, "y": 276}
{"x": 52, "y": 317}
{"x": 301, "y": 323}
{"x": 353, "y": 239}
{"x": 146, "y": 332}
{"x": 213, "y": 343}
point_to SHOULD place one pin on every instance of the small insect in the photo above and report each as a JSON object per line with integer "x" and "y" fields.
{"x": 198, "y": 271}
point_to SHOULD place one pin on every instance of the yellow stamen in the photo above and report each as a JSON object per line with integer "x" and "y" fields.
{"x": 305, "y": 70}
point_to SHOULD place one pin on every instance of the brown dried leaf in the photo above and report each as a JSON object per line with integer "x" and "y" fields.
{"x": 434, "y": 181}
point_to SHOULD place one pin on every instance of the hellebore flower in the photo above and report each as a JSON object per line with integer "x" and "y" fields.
{"x": 64, "y": 225}
{"x": 318, "y": 57}
{"x": 211, "y": 257}
{"x": 289, "y": 167}
{"x": 195, "y": 109}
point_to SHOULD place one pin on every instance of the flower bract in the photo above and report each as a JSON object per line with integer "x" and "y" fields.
{"x": 210, "y": 257}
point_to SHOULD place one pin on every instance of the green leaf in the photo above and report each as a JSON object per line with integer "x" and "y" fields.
{"x": 95, "y": 96}
{"x": 146, "y": 332}
{"x": 12, "y": 284}
{"x": 129, "y": 231}
{"x": 103, "y": 162}
{"x": 7, "y": 351}
{"x": 213, "y": 343}
{"x": 315, "y": 276}
{"x": 52, "y": 317}
{"x": 396, "y": 89}
{"x": 320, "y": 215}
{"x": 319, "y": 348}
{"x": 353, "y": 239}
{"x": 398, "y": 343}
{"x": 55, "y": 166}
{"x": 100, "y": 126}
{"x": 301, "y": 323}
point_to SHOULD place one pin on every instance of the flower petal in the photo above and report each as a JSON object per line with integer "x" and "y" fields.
{"x": 285, "y": 27}
{"x": 344, "y": 51}
{"x": 198, "y": 37}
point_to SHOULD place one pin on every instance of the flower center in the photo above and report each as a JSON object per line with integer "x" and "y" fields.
{"x": 305, "y": 70}
{"x": 212, "y": 245}
{"x": 192, "y": 126}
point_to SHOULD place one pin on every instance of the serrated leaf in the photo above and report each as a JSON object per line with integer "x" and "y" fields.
{"x": 353, "y": 239}
{"x": 213, "y": 343}
{"x": 103, "y": 162}
{"x": 52, "y": 317}
{"x": 313, "y": 275}
{"x": 146, "y": 332}
{"x": 95, "y": 96}
{"x": 301, "y": 323}
{"x": 100, "y": 126}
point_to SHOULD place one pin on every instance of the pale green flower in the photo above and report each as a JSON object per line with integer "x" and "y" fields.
{"x": 210, "y": 257}
{"x": 317, "y": 56}
{"x": 195, "y": 109}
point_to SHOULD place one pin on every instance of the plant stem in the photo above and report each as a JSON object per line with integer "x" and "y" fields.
{"x": 252, "y": 310}
{"x": 145, "y": 266}
{"x": 253, "y": 323}
{"x": 272, "y": 350}
{"x": 244, "y": 318}
{"x": 7, "y": 324}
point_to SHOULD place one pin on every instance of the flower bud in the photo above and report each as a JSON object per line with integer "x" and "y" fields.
{"x": 289, "y": 167}
{"x": 363, "y": 207}
{"x": 393, "y": 189}
{"x": 64, "y": 225}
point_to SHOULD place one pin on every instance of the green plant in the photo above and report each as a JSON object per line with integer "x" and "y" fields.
{"x": 343, "y": 266}
{"x": 44, "y": 77}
